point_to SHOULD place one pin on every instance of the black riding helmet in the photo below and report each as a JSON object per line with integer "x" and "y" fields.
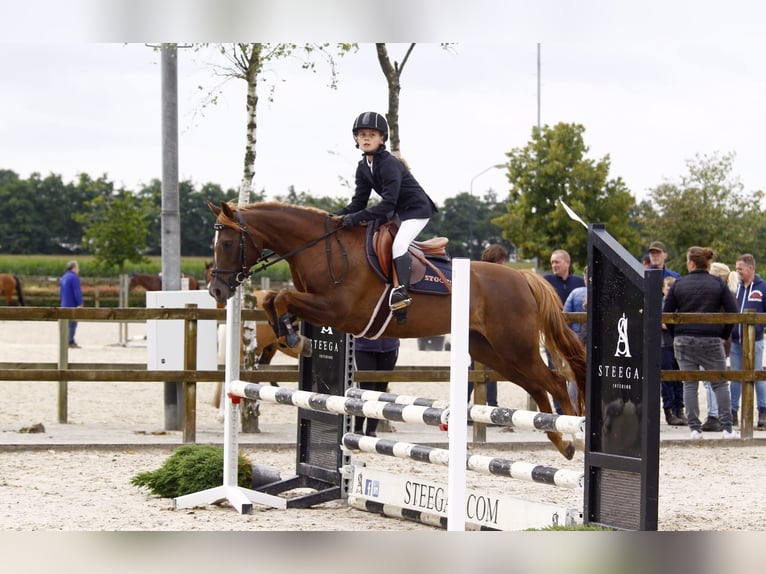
{"x": 371, "y": 121}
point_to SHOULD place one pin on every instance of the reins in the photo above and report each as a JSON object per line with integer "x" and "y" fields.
{"x": 265, "y": 261}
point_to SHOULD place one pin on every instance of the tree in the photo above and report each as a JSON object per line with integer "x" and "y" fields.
{"x": 708, "y": 207}
{"x": 393, "y": 73}
{"x": 303, "y": 198}
{"x": 196, "y": 218}
{"x": 392, "y": 70}
{"x": 38, "y": 212}
{"x": 554, "y": 166}
{"x": 116, "y": 230}
{"x": 467, "y": 221}
{"x": 247, "y": 62}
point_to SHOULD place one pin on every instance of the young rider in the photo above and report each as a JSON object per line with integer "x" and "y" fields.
{"x": 400, "y": 196}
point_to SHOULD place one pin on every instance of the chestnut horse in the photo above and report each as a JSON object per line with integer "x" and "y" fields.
{"x": 336, "y": 286}
{"x": 10, "y": 284}
{"x": 154, "y": 282}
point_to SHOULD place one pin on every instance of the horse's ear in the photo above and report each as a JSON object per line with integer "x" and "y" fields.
{"x": 214, "y": 208}
{"x": 227, "y": 211}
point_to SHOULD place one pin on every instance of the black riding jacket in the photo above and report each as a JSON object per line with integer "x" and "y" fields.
{"x": 400, "y": 194}
{"x": 700, "y": 292}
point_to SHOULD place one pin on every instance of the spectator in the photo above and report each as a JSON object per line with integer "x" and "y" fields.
{"x": 577, "y": 302}
{"x": 657, "y": 257}
{"x": 564, "y": 283}
{"x": 646, "y": 261}
{"x": 750, "y": 295}
{"x": 712, "y": 423}
{"x": 672, "y": 391}
{"x": 373, "y": 355}
{"x": 70, "y": 295}
{"x": 700, "y": 346}
{"x": 561, "y": 278}
{"x": 493, "y": 253}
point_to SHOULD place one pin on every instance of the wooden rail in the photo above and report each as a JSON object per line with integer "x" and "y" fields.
{"x": 95, "y": 372}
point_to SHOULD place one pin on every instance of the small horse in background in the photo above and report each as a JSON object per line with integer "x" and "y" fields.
{"x": 9, "y": 284}
{"x": 154, "y": 282}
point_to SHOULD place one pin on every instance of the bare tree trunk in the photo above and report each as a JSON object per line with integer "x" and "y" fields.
{"x": 393, "y": 73}
{"x": 251, "y": 55}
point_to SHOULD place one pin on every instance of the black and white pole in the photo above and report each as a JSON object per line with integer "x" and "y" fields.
{"x": 460, "y": 360}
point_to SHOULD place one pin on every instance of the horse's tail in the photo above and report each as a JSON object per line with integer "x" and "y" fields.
{"x": 19, "y": 290}
{"x": 560, "y": 340}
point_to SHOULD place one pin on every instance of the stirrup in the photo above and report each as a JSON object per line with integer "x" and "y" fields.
{"x": 398, "y": 299}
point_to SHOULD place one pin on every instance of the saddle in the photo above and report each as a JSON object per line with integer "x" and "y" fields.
{"x": 382, "y": 240}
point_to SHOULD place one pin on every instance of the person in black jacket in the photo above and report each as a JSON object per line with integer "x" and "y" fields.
{"x": 699, "y": 346}
{"x": 400, "y": 196}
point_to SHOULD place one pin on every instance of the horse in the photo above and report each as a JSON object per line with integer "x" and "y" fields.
{"x": 154, "y": 282}
{"x": 9, "y": 284}
{"x": 335, "y": 286}
{"x": 267, "y": 343}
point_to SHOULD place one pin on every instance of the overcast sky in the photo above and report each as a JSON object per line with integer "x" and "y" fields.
{"x": 651, "y": 103}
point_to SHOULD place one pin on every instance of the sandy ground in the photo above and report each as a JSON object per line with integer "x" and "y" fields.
{"x": 709, "y": 486}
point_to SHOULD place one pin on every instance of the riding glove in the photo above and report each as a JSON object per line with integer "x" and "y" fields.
{"x": 353, "y": 219}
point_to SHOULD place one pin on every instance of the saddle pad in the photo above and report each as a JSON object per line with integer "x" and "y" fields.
{"x": 430, "y": 282}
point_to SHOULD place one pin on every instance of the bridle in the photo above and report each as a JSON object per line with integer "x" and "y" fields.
{"x": 264, "y": 261}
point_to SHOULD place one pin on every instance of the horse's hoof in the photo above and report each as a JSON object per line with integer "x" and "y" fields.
{"x": 307, "y": 348}
{"x": 569, "y": 451}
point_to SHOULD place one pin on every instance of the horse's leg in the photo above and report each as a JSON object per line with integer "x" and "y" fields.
{"x": 507, "y": 339}
{"x": 530, "y": 372}
{"x": 20, "y": 292}
{"x": 316, "y": 309}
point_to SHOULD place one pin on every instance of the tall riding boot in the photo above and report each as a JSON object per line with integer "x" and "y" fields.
{"x": 761, "y": 418}
{"x": 399, "y": 300}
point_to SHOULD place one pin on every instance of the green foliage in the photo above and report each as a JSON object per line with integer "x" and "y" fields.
{"x": 554, "y": 166}
{"x": 196, "y": 219}
{"x": 708, "y": 207}
{"x": 306, "y": 198}
{"x": 38, "y": 214}
{"x": 116, "y": 228}
{"x": 192, "y": 468}
{"x": 468, "y": 223}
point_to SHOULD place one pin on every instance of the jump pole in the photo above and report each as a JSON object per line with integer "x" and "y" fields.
{"x": 460, "y": 360}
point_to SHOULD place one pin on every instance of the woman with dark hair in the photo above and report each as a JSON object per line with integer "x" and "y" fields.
{"x": 701, "y": 346}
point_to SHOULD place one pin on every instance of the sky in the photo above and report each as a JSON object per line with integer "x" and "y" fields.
{"x": 689, "y": 84}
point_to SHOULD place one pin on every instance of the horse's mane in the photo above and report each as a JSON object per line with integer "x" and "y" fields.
{"x": 229, "y": 222}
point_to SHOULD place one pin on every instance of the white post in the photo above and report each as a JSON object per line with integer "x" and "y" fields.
{"x": 458, "y": 400}
{"x": 231, "y": 373}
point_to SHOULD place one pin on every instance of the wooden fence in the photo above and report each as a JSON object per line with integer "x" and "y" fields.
{"x": 64, "y": 371}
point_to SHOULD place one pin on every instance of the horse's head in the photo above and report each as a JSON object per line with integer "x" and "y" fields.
{"x": 234, "y": 251}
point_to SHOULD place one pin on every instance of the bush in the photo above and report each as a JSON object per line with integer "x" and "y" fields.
{"x": 192, "y": 468}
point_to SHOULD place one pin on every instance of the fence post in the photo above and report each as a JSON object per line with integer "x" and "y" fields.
{"x": 190, "y": 387}
{"x": 748, "y": 387}
{"x": 63, "y": 402}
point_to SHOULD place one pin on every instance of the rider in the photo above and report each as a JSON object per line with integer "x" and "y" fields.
{"x": 401, "y": 196}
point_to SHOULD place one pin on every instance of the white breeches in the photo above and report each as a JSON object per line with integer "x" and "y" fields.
{"x": 408, "y": 231}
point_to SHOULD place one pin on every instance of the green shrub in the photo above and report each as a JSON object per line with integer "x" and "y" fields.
{"x": 192, "y": 468}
